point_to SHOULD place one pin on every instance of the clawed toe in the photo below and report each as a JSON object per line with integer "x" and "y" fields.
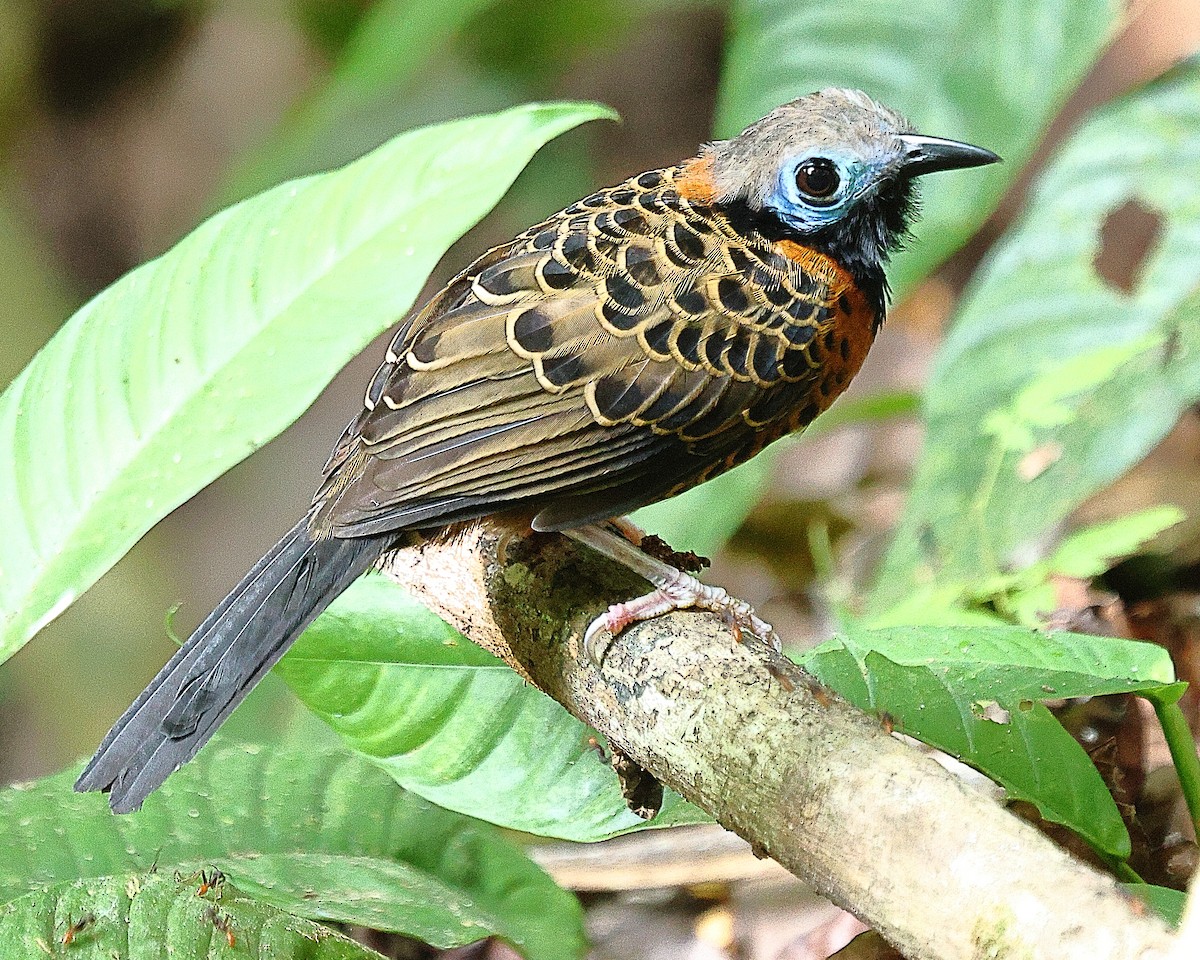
{"x": 675, "y": 590}
{"x": 604, "y": 629}
{"x": 683, "y": 593}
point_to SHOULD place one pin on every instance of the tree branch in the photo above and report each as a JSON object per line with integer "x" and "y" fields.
{"x": 938, "y": 868}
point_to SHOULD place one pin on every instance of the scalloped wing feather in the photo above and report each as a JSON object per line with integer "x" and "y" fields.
{"x": 625, "y": 348}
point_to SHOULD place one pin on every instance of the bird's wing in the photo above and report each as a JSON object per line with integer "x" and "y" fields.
{"x": 627, "y": 347}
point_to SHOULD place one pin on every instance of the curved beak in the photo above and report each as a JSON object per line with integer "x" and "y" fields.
{"x": 930, "y": 154}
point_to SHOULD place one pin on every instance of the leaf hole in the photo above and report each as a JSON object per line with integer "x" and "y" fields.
{"x": 1129, "y": 235}
{"x": 990, "y": 710}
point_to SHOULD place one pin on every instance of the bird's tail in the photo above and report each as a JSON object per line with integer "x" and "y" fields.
{"x": 223, "y": 660}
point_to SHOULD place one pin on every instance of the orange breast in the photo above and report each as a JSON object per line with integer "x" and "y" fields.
{"x": 845, "y": 341}
{"x": 842, "y": 344}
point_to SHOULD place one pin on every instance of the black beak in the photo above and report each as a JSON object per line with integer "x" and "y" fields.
{"x": 930, "y": 154}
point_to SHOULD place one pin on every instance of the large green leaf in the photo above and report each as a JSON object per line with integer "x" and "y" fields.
{"x": 993, "y": 72}
{"x": 454, "y": 724}
{"x": 988, "y": 71}
{"x": 143, "y": 915}
{"x": 276, "y": 820}
{"x": 1053, "y": 382}
{"x": 973, "y": 692}
{"x": 191, "y": 362}
{"x": 398, "y": 897}
{"x": 1009, "y": 665}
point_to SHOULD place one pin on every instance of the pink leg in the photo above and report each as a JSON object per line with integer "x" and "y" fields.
{"x": 675, "y": 590}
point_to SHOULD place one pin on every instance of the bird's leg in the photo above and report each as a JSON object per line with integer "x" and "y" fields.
{"x": 674, "y": 590}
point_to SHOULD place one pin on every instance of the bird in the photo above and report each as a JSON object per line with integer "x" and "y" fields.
{"x": 642, "y": 340}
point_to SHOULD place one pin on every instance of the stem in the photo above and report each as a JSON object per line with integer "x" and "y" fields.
{"x": 981, "y": 499}
{"x": 1183, "y": 752}
{"x": 837, "y": 595}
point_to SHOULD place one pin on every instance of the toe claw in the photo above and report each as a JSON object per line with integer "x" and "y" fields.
{"x": 598, "y": 637}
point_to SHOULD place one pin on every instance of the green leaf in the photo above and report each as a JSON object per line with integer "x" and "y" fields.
{"x": 1044, "y": 402}
{"x": 154, "y": 915}
{"x": 1167, "y": 903}
{"x": 282, "y": 816}
{"x": 1099, "y": 375}
{"x": 992, "y": 72}
{"x": 1089, "y": 552}
{"x": 192, "y": 361}
{"x": 1012, "y": 664}
{"x": 973, "y": 692}
{"x": 873, "y": 408}
{"x": 453, "y": 724}
{"x": 705, "y": 517}
{"x": 381, "y": 895}
{"x": 1027, "y": 596}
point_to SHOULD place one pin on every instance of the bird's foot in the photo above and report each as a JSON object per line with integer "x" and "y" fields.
{"x": 680, "y": 592}
{"x": 674, "y": 590}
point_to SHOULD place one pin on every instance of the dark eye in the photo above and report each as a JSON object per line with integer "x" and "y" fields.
{"x": 818, "y": 179}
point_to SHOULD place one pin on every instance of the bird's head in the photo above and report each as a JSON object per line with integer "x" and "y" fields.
{"x": 834, "y": 169}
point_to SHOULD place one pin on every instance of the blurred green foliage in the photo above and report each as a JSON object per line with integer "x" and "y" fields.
{"x": 36, "y": 297}
{"x": 16, "y": 65}
{"x": 373, "y": 89}
{"x": 306, "y": 827}
{"x": 1088, "y": 375}
{"x": 1053, "y": 381}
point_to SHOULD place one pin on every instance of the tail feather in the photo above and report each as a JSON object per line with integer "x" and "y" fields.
{"x": 223, "y": 660}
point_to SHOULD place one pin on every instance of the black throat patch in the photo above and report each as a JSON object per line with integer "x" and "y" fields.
{"x": 860, "y": 242}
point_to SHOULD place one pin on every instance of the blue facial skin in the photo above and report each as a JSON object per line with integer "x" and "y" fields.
{"x": 807, "y": 215}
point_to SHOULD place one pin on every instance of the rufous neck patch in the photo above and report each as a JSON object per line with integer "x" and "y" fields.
{"x": 816, "y": 263}
{"x": 695, "y": 183}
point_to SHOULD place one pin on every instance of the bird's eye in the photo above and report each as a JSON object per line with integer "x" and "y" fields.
{"x": 818, "y": 179}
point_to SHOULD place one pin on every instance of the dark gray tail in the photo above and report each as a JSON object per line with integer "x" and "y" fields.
{"x": 223, "y": 660}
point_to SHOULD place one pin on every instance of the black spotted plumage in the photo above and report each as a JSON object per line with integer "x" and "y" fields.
{"x": 643, "y": 340}
{"x": 558, "y": 352}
